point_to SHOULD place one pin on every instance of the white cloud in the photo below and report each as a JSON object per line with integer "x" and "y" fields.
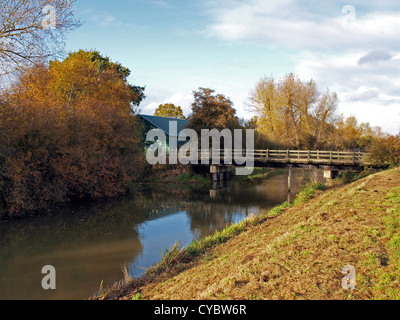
{"x": 354, "y": 53}
{"x": 369, "y": 91}
{"x": 183, "y": 100}
{"x": 385, "y": 116}
{"x": 288, "y": 28}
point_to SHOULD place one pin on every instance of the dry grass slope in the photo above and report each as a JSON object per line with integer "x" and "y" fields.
{"x": 300, "y": 253}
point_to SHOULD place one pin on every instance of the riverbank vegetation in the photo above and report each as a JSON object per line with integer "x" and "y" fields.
{"x": 68, "y": 133}
{"x": 177, "y": 174}
{"x": 258, "y": 174}
{"x": 291, "y": 252}
{"x": 172, "y": 174}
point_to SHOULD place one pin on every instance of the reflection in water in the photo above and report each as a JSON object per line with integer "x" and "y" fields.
{"x": 88, "y": 243}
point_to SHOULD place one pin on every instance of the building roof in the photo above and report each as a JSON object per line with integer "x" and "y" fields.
{"x": 163, "y": 123}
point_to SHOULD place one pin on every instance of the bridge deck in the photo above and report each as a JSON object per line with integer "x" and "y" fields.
{"x": 339, "y": 158}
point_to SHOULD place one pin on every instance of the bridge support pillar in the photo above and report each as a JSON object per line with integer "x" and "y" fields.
{"x": 220, "y": 173}
{"x": 330, "y": 173}
{"x": 213, "y": 193}
{"x": 214, "y": 176}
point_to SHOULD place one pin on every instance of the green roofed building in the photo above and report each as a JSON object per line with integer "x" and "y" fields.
{"x": 162, "y": 123}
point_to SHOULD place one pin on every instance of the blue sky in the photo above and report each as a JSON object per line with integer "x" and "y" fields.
{"x": 175, "y": 46}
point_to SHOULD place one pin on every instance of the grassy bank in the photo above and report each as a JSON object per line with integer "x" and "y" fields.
{"x": 291, "y": 252}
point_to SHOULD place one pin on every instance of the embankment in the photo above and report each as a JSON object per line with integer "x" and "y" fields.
{"x": 291, "y": 252}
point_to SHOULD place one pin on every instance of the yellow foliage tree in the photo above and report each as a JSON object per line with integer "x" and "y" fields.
{"x": 293, "y": 113}
{"x": 69, "y": 133}
{"x": 169, "y": 110}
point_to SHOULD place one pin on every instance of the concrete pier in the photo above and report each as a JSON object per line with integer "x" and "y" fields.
{"x": 330, "y": 173}
{"x": 290, "y": 180}
{"x": 220, "y": 173}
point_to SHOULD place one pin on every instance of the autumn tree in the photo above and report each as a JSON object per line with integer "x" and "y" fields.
{"x": 385, "y": 150}
{"x": 324, "y": 118}
{"x": 69, "y": 132}
{"x": 169, "y": 110}
{"x": 102, "y": 65}
{"x": 261, "y": 142}
{"x": 348, "y": 135}
{"x": 31, "y": 31}
{"x": 292, "y": 112}
{"x": 212, "y": 111}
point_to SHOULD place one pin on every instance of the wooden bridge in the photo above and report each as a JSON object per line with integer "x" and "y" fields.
{"x": 292, "y": 157}
{"x": 332, "y": 162}
{"x": 310, "y": 157}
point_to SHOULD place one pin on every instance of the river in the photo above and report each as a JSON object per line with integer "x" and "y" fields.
{"x": 88, "y": 243}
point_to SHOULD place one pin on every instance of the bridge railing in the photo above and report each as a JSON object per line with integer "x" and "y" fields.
{"x": 294, "y": 156}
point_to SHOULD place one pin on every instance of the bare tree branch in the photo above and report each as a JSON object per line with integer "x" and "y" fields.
{"x": 33, "y": 30}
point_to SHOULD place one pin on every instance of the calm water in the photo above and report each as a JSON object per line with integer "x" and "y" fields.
{"x": 88, "y": 243}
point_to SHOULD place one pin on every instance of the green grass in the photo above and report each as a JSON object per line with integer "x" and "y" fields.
{"x": 386, "y": 267}
{"x": 308, "y": 192}
{"x": 138, "y": 296}
{"x": 171, "y": 256}
{"x": 392, "y": 221}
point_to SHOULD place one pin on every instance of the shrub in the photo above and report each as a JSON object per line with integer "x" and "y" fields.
{"x": 67, "y": 131}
